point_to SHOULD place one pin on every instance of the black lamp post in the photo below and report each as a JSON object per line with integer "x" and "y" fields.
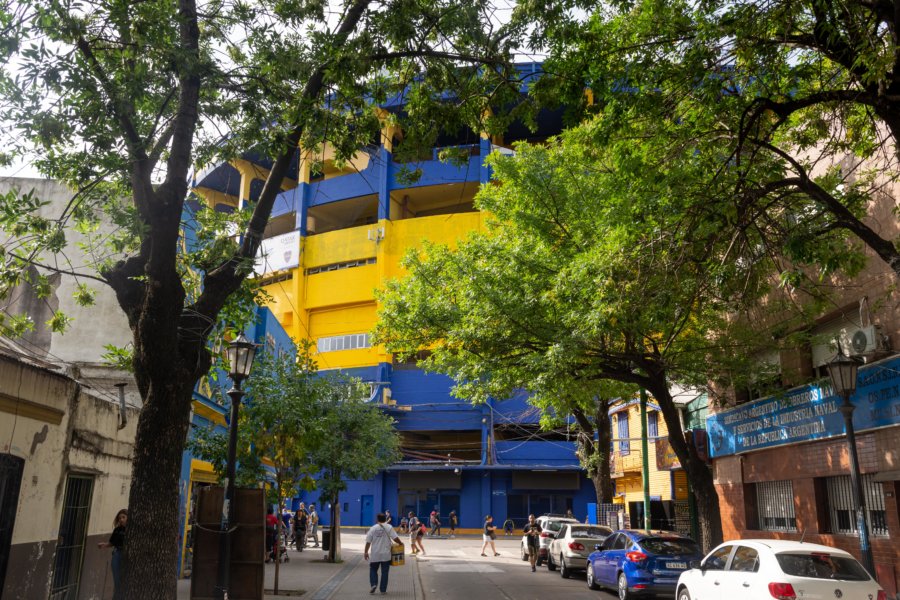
{"x": 843, "y": 370}
{"x": 240, "y": 360}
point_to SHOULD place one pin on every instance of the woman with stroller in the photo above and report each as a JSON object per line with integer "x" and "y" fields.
{"x": 271, "y": 533}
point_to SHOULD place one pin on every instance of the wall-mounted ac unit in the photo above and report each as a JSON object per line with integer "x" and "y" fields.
{"x": 863, "y": 340}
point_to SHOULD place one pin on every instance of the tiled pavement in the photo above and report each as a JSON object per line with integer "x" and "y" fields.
{"x": 319, "y": 580}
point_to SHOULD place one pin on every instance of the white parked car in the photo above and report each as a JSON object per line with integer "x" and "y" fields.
{"x": 569, "y": 550}
{"x": 780, "y": 569}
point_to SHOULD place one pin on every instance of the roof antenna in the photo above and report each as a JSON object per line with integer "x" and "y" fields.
{"x": 803, "y": 535}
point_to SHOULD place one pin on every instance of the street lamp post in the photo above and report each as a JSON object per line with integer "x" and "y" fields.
{"x": 843, "y": 370}
{"x": 240, "y": 359}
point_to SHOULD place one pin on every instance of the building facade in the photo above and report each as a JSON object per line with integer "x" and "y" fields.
{"x": 337, "y": 233}
{"x": 781, "y": 462}
{"x": 668, "y": 488}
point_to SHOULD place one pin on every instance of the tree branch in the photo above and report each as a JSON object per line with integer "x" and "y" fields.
{"x": 120, "y": 107}
{"x": 844, "y": 218}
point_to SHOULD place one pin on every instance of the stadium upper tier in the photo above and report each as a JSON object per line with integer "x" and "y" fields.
{"x": 323, "y": 194}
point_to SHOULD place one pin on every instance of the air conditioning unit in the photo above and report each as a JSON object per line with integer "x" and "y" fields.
{"x": 864, "y": 340}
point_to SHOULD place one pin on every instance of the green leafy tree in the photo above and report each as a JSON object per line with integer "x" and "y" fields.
{"x": 581, "y": 279}
{"x": 305, "y": 423}
{"x": 275, "y": 427}
{"x": 357, "y": 440}
{"x": 120, "y": 100}
{"x": 790, "y": 100}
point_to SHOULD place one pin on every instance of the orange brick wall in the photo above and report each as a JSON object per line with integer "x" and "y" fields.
{"x": 879, "y": 451}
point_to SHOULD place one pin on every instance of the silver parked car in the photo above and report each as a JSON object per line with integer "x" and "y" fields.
{"x": 572, "y": 545}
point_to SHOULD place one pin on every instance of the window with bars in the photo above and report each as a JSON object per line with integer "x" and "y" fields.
{"x": 72, "y": 533}
{"x": 775, "y": 503}
{"x": 336, "y": 343}
{"x": 839, "y": 499}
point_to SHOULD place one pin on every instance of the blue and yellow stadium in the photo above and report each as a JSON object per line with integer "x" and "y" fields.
{"x": 337, "y": 233}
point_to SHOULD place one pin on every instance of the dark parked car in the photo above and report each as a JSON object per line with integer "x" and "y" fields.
{"x": 639, "y": 563}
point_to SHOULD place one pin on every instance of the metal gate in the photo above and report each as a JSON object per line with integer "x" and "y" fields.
{"x": 72, "y": 533}
{"x": 11, "y": 468}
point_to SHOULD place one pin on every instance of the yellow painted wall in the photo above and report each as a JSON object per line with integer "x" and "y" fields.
{"x": 341, "y": 321}
{"x": 339, "y": 246}
{"x": 346, "y": 286}
{"x": 401, "y": 236}
{"x": 343, "y": 301}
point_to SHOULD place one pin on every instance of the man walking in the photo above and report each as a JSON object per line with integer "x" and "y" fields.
{"x": 533, "y": 531}
{"x": 314, "y": 524}
{"x": 378, "y": 540}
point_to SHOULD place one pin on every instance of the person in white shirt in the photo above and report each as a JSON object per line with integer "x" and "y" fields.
{"x": 378, "y": 540}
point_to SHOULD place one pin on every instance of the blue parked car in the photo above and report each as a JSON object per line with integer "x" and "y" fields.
{"x": 641, "y": 563}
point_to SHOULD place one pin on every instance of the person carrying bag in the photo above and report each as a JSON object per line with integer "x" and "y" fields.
{"x": 381, "y": 539}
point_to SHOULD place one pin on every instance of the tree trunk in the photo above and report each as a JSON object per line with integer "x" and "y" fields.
{"x": 334, "y": 554}
{"x": 604, "y": 474}
{"x": 698, "y": 473}
{"x": 151, "y": 553}
{"x": 594, "y": 454}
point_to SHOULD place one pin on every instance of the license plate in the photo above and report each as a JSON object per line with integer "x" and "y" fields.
{"x": 676, "y": 565}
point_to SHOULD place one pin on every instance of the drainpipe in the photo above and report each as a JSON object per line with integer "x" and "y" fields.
{"x": 645, "y": 460}
{"x": 123, "y": 416}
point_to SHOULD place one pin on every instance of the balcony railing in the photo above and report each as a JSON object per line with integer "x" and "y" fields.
{"x": 621, "y": 463}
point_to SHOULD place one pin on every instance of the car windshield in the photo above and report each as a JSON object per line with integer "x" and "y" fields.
{"x": 822, "y": 566}
{"x": 669, "y": 546}
{"x": 591, "y": 532}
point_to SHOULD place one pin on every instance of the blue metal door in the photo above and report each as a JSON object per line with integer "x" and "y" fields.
{"x": 367, "y": 514}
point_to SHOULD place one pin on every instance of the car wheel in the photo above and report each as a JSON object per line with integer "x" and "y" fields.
{"x": 623, "y": 588}
{"x": 551, "y": 566}
{"x": 524, "y": 554}
{"x": 683, "y": 594}
{"x": 540, "y": 561}
{"x": 592, "y": 583}
{"x": 564, "y": 571}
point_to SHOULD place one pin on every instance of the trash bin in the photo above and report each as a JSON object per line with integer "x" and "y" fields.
{"x": 326, "y": 539}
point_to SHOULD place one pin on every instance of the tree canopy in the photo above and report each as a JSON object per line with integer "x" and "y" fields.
{"x": 593, "y": 269}
{"x": 305, "y": 424}
{"x": 789, "y": 101}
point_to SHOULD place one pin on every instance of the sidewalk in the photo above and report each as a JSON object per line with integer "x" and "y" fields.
{"x": 308, "y": 573}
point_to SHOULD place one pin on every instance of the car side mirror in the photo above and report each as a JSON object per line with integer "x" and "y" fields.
{"x": 598, "y": 546}
{"x": 696, "y": 564}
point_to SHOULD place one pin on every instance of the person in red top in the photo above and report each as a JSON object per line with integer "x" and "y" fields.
{"x": 271, "y": 532}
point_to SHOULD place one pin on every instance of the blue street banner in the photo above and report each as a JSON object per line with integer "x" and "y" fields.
{"x": 808, "y": 413}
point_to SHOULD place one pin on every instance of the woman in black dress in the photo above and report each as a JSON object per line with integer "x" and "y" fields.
{"x": 116, "y": 542}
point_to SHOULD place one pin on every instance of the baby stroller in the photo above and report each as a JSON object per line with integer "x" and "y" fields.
{"x": 282, "y": 555}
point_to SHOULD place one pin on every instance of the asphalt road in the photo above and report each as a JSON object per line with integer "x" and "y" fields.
{"x": 453, "y": 569}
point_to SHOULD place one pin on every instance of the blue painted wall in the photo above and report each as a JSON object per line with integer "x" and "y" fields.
{"x": 483, "y": 492}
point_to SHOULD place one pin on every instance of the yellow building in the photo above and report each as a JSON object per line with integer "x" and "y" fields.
{"x": 668, "y": 488}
